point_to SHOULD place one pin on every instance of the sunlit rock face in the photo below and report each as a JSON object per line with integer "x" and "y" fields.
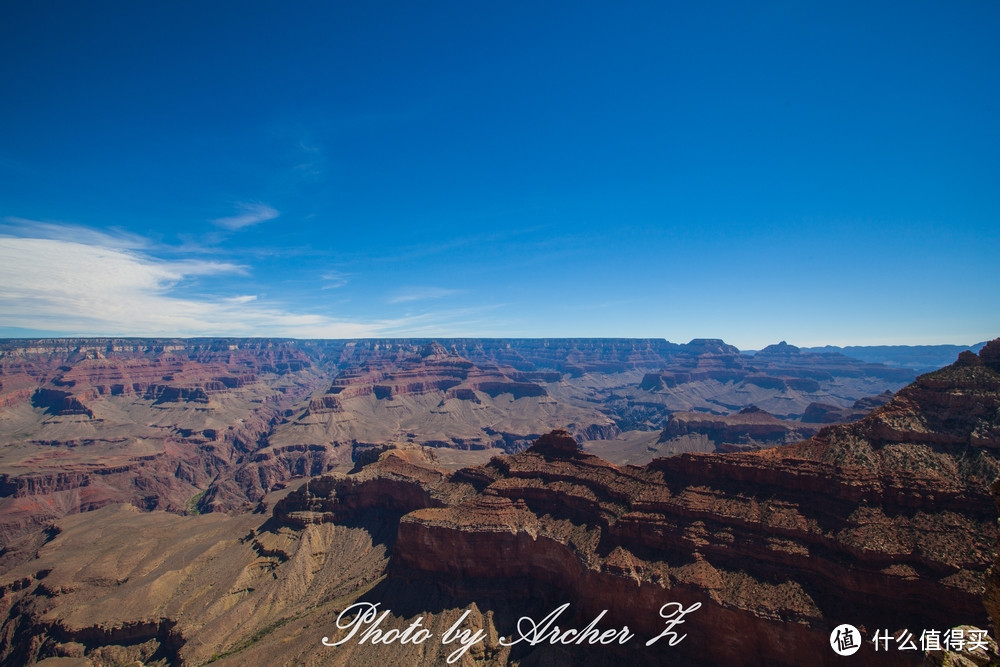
{"x": 202, "y": 425}
{"x": 887, "y": 522}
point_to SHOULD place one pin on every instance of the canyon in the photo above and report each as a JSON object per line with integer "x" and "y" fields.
{"x": 220, "y": 500}
{"x": 201, "y": 425}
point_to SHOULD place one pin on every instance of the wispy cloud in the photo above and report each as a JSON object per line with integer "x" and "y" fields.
{"x": 421, "y": 293}
{"x": 43, "y": 229}
{"x": 98, "y": 286}
{"x": 312, "y": 161}
{"x": 334, "y": 279}
{"x": 250, "y": 214}
{"x": 247, "y": 298}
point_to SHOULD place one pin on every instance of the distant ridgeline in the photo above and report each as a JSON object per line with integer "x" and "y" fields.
{"x": 215, "y": 424}
{"x": 921, "y": 358}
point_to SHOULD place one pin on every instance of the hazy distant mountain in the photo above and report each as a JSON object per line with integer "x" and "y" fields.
{"x": 920, "y": 358}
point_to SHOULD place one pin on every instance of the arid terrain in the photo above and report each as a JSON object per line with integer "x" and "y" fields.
{"x": 204, "y": 425}
{"x": 197, "y": 501}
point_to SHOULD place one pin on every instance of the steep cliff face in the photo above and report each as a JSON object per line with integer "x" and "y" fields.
{"x": 748, "y": 429}
{"x": 432, "y": 368}
{"x": 824, "y": 413}
{"x": 404, "y": 392}
{"x": 573, "y": 356}
{"x": 991, "y": 595}
{"x": 92, "y": 422}
{"x": 170, "y": 370}
{"x": 215, "y": 424}
{"x": 887, "y": 523}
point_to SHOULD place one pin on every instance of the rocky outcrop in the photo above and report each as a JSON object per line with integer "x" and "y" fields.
{"x": 991, "y": 594}
{"x": 884, "y": 523}
{"x": 59, "y": 403}
{"x": 973, "y": 648}
{"x": 138, "y": 641}
{"x": 229, "y": 419}
{"x": 432, "y": 368}
{"x": 990, "y": 357}
{"x": 395, "y": 483}
{"x": 824, "y": 413}
{"x": 327, "y": 403}
{"x": 750, "y": 428}
{"x": 167, "y": 480}
{"x": 267, "y": 469}
{"x": 166, "y": 394}
{"x": 887, "y": 522}
{"x": 24, "y": 486}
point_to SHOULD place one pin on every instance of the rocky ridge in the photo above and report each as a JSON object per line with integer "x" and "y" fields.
{"x": 887, "y": 522}
{"x": 201, "y": 425}
{"x": 87, "y": 423}
{"x": 750, "y": 428}
{"x": 823, "y": 413}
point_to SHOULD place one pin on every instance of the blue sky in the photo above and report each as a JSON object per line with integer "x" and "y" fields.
{"x": 822, "y": 173}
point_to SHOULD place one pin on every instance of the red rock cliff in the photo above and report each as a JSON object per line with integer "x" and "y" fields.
{"x": 887, "y": 523}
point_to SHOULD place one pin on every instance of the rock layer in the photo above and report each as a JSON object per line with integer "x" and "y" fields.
{"x": 886, "y": 523}
{"x": 215, "y": 424}
{"x": 750, "y": 428}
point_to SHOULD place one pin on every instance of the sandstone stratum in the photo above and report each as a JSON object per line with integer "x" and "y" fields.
{"x": 886, "y": 523}
{"x": 203, "y": 425}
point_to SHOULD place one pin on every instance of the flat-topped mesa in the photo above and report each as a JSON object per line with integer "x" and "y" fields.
{"x": 780, "y": 349}
{"x": 713, "y": 346}
{"x": 58, "y": 402}
{"x": 397, "y": 482}
{"x": 573, "y": 356}
{"x": 434, "y": 349}
{"x": 558, "y": 443}
{"x": 433, "y": 368}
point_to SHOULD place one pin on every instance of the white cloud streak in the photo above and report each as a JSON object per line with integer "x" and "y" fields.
{"x": 14, "y": 226}
{"x": 334, "y": 279}
{"x": 421, "y": 293}
{"x": 99, "y": 288}
{"x": 251, "y": 214}
{"x": 246, "y": 298}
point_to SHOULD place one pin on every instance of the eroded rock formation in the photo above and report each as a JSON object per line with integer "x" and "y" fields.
{"x": 201, "y": 425}
{"x": 886, "y": 523}
{"x": 750, "y": 428}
